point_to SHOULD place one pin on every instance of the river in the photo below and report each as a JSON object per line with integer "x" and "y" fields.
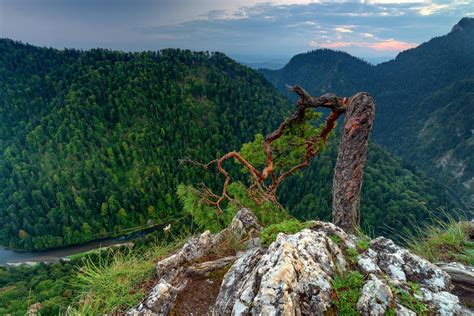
{"x": 8, "y": 256}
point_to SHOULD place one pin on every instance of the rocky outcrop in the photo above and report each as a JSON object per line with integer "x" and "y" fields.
{"x": 409, "y": 274}
{"x": 173, "y": 273}
{"x": 401, "y": 265}
{"x": 376, "y": 297}
{"x": 292, "y": 276}
{"x": 462, "y": 277}
{"x": 296, "y": 273}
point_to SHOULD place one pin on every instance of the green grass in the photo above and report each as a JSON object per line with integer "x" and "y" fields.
{"x": 85, "y": 253}
{"x": 270, "y": 233}
{"x": 347, "y": 290}
{"x": 444, "y": 241}
{"x": 363, "y": 243}
{"x": 112, "y": 284}
{"x": 336, "y": 239}
{"x": 352, "y": 255}
{"x": 408, "y": 299}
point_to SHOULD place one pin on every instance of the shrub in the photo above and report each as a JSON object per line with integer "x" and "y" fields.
{"x": 269, "y": 233}
{"x": 444, "y": 241}
{"x": 347, "y": 290}
{"x": 112, "y": 284}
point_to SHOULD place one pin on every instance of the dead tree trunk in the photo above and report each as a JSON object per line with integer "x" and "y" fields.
{"x": 350, "y": 163}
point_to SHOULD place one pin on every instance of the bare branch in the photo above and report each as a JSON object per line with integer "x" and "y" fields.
{"x": 258, "y": 188}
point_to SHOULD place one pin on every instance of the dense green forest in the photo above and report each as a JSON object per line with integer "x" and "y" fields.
{"x": 423, "y": 98}
{"x": 396, "y": 197}
{"x": 90, "y": 143}
{"x": 445, "y": 136}
{"x": 50, "y": 284}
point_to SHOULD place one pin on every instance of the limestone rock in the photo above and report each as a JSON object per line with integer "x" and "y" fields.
{"x": 376, "y": 297}
{"x": 368, "y": 262}
{"x": 174, "y": 271}
{"x": 244, "y": 222}
{"x": 332, "y": 230}
{"x": 239, "y": 274}
{"x": 192, "y": 250}
{"x": 403, "y": 311}
{"x": 402, "y": 265}
{"x": 292, "y": 277}
{"x": 159, "y": 302}
{"x": 462, "y": 277}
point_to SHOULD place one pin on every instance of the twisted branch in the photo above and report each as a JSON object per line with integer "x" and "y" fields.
{"x": 337, "y": 105}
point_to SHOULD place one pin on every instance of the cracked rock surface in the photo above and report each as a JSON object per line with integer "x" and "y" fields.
{"x": 294, "y": 275}
{"x": 462, "y": 277}
{"x": 173, "y": 273}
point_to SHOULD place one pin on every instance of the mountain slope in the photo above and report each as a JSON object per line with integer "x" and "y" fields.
{"x": 395, "y": 196}
{"x": 409, "y": 92}
{"x": 90, "y": 140}
{"x": 323, "y": 71}
{"x": 444, "y": 136}
{"x": 401, "y": 84}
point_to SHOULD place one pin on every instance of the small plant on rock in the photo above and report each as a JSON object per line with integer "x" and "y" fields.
{"x": 444, "y": 240}
{"x": 408, "y": 299}
{"x": 270, "y": 233}
{"x": 347, "y": 290}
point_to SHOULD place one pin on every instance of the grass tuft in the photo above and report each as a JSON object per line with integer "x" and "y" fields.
{"x": 347, "y": 290}
{"x": 409, "y": 300}
{"x": 270, "y": 233}
{"x": 112, "y": 284}
{"x": 444, "y": 241}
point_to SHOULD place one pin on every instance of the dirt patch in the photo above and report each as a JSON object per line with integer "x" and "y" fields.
{"x": 200, "y": 294}
{"x": 201, "y": 290}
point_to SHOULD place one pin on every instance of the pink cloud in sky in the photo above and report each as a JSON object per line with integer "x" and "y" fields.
{"x": 391, "y": 45}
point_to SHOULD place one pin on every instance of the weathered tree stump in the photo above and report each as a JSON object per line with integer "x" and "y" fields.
{"x": 350, "y": 163}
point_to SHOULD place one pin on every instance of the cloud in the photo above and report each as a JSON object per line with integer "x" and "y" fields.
{"x": 343, "y": 30}
{"x": 433, "y": 8}
{"x": 332, "y": 45}
{"x": 260, "y": 28}
{"x": 397, "y": 1}
{"x": 391, "y": 45}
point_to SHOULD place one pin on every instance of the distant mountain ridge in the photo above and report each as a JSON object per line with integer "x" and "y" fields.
{"x": 404, "y": 89}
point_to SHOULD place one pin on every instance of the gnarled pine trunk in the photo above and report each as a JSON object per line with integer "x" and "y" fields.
{"x": 350, "y": 163}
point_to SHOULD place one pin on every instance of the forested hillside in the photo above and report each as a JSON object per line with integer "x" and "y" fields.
{"x": 90, "y": 142}
{"x": 444, "y": 135}
{"x": 422, "y": 96}
{"x": 322, "y": 71}
{"x": 396, "y": 197}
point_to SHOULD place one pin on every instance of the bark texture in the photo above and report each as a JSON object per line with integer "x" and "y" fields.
{"x": 350, "y": 163}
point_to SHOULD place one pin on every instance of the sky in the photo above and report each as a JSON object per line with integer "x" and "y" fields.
{"x": 248, "y": 30}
